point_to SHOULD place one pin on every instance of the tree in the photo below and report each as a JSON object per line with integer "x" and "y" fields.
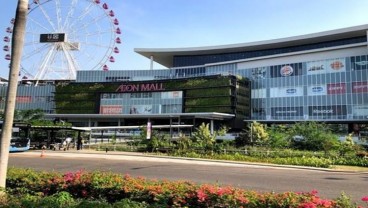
{"x": 203, "y": 137}
{"x": 279, "y": 136}
{"x": 253, "y": 133}
{"x": 259, "y": 133}
{"x": 245, "y": 137}
{"x": 16, "y": 54}
{"x": 313, "y": 136}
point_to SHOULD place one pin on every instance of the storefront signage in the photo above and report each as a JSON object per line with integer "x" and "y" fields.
{"x": 295, "y": 69}
{"x": 317, "y": 90}
{"x": 327, "y": 110}
{"x": 360, "y": 87}
{"x": 286, "y": 111}
{"x": 286, "y": 91}
{"x": 326, "y": 66}
{"x": 146, "y": 87}
{"x": 286, "y": 71}
{"x": 111, "y": 109}
{"x": 336, "y": 88}
{"x": 336, "y": 65}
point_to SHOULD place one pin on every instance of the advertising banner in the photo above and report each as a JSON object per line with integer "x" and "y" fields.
{"x": 286, "y": 111}
{"x": 111, "y": 109}
{"x": 360, "y": 87}
{"x": 141, "y": 109}
{"x": 336, "y": 65}
{"x": 317, "y": 90}
{"x": 359, "y": 63}
{"x": 336, "y": 88}
{"x": 286, "y": 91}
{"x": 316, "y": 67}
{"x": 326, "y": 66}
{"x": 327, "y": 110}
{"x": 286, "y": 70}
{"x": 360, "y": 110}
{"x": 172, "y": 94}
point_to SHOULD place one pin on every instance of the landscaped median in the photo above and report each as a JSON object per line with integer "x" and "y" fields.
{"x": 29, "y": 188}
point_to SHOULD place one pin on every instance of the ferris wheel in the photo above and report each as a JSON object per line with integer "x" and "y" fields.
{"x": 64, "y": 36}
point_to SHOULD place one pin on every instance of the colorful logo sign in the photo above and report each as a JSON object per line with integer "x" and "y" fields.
{"x": 336, "y": 88}
{"x": 360, "y": 87}
{"x": 286, "y": 71}
{"x": 317, "y": 90}
{"x": 336, "y": 65}
{"x": 111, "y": 109}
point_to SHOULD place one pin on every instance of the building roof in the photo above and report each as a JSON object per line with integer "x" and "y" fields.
{"x": 164, "y": 56}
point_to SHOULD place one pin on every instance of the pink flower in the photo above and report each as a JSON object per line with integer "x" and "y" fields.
{"x": 68, "y": 177}
{"x": 365, "y": 199}
{"x": 314, "y": 192}
{"x": 325, "y": 203}
{"x": 202, "y": 196}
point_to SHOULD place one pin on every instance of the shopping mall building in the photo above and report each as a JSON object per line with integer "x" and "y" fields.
{"x": 313, "y": 77}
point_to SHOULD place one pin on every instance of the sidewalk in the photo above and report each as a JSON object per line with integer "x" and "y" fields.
{"x": 138, "y": 156}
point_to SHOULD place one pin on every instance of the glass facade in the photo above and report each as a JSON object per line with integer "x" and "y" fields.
{"x": 329, "y": 89}
{"x": 31, "y": 97}
{"x": 181, "y": 61}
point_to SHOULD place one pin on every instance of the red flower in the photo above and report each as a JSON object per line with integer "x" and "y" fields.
{"x": 365, "y": 199}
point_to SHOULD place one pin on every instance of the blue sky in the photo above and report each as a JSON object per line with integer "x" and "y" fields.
{"x": 194, "y": 23}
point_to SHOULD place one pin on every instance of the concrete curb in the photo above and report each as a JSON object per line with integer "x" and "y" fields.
{"x": 115, "y": 155}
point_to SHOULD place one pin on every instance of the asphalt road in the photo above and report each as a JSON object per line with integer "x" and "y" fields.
{"x": 329, "y": 184}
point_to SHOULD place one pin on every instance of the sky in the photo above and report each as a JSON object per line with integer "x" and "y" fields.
{"x": 195, "y": 23}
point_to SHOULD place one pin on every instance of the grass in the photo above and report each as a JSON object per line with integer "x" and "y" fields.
{"x": 349, "y": 168}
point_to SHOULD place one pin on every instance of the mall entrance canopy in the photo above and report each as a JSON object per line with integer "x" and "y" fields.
{"x": 95, "y": 120}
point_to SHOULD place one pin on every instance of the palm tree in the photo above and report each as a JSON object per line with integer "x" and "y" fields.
{"x": 16, "y": 51}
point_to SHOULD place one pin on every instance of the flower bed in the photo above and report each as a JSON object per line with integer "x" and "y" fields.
{"x": 113, "y": 188}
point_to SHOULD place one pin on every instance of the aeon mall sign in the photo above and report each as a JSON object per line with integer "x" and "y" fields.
{"x": 145, "y": 87}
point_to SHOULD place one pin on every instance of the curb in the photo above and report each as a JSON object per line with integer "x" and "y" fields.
{"x": 149, "y": 155}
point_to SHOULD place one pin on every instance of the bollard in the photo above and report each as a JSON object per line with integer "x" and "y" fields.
{"x": 107, "y": 149}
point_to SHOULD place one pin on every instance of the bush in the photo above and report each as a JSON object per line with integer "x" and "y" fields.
{"x": 99, "y": 189}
